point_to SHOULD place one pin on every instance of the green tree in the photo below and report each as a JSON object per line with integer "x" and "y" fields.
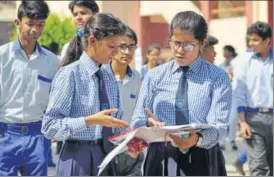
{"x": 56, "y": 30}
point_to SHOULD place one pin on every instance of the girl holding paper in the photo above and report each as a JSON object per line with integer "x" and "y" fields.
{"x": 185, "y": 90}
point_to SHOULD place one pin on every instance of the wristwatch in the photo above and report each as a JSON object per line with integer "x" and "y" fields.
{"x": 200, "y": 139}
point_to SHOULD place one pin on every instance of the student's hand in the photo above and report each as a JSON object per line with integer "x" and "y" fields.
{"x": 185, "y": 143}
{"x": 152, "y": 120}
{"x": 102, "y": 118}
{"x": 245, "y": 130}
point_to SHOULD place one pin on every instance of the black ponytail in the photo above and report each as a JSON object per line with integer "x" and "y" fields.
{"x": 74, "y": 51}
{"x": 100, "y": 25}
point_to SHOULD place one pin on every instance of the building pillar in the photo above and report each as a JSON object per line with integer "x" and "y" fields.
{"x": 137, "y": 18}
{"x": 249, "y": 12}
{"x": 270, "y": 18}
{"x": 270, "y": 13}
{"x": 137, "y": 27}
{"x": 206, "y": 9}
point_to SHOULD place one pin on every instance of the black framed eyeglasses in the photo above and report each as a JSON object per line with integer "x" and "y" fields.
{"x": 187, "y": 46}
{"x": 123, "y": 47}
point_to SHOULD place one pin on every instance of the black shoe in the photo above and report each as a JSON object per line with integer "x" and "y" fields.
{"x": 51, "y": 164}
{"x": 239, "y": 167}
{"x": 234, "y": 146}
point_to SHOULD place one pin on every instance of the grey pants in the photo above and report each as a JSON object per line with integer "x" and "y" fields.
{"x": 260, "y": 144}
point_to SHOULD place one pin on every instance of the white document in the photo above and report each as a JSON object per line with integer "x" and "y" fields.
{"x": 149, "y": 135}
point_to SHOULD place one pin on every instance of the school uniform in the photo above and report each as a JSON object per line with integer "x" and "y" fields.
{"x": 253, "y": 90}
{"x": 79, "y": 90}
{"x": 200, "y": 93}
{"x": 233, "y": 114}
{"x": 24, "y": 92}
{"x": 129, "y": 90}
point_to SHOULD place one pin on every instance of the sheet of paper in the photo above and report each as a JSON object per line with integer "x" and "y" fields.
{"x": 120, "y": 148}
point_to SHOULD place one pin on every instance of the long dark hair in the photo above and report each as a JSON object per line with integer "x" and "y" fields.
{"x": 131, "y": 34}
{"x": 100, "y": 25}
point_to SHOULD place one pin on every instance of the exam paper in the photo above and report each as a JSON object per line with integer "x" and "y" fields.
{"x": 150, "y": 135}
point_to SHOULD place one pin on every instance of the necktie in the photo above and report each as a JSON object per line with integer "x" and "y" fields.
{"x": 104, "y": 104}
{"x": 181, "y": 109}
{"x": 181, "y": 106}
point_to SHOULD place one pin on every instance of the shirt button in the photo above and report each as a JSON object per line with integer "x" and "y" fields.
{"x": 179, "y": 103}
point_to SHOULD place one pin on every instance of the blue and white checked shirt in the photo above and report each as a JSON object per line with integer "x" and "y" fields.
{"x": 253, "y": 81}
{"x": 209, "y": 97}
{"x": 74, "y": 96}
{"x": 25, "y": 83}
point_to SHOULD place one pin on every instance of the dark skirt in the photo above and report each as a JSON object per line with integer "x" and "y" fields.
{"x": 82, "y": 158}
{"x": 196, "y": 162}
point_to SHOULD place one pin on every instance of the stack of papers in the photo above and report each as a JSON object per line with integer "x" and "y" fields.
{"x": 150, "y": 135}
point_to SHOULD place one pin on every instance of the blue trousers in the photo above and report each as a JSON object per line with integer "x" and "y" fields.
{"x": 23, "y": 149}
{"x": 50, "y": 153}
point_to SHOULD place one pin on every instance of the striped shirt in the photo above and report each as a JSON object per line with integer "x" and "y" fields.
{"x": 74, "y": 96}
{"x": 209, "y": 97}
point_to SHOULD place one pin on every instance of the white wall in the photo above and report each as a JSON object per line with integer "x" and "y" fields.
{"x": 7, "y": 13}
{"x": 167, "y": 9}
{"x": 260, "y": 11}
{"x": 229, "y": 31}
{"x": 121, "y": 9}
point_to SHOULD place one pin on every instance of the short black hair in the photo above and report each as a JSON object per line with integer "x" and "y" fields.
{"x": 33, "y": 10}
{"x": 191, "y": 22}
{"x": 210, "y": 41}
{"x": 91, "y": 4}
{"x": 262, "y": 29}
{"x": 231, "y": 49}
{"x": 153, "y": 46}
{"x": 131, "y": 34}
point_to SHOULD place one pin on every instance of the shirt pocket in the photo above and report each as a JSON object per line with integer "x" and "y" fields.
{"x": 43, "y": 90}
